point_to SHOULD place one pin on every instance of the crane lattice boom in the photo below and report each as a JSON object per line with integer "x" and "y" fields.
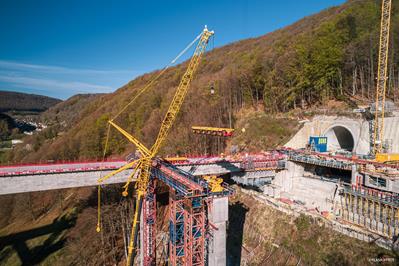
{"x": 181, "y": 91}
{"x": 382, "y": 76}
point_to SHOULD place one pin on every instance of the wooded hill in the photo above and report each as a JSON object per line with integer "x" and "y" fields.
{"x": 68, "y": 111}
{"x": 17, "y": 101}
{"x": 331, "y": 55}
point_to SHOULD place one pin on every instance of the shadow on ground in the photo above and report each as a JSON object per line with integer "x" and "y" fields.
{"x": 235, "y": 231}
{"x": 35, "y": 255}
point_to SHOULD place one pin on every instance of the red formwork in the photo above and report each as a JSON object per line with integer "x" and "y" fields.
{"x": 149, "y": 227}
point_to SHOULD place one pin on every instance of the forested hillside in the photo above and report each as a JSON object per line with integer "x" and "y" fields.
{"x": 14, "y": 105}
{"x": 328, "y": 56}
{"x": 58, "y": 119}
{"x": 16, "y": 101}
{"x": 68, "y": 111}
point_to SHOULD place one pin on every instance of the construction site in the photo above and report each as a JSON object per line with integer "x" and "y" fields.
{"x": 343, "y": 170}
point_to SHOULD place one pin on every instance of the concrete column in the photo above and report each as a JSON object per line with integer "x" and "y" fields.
{"x": 217, "y": 245}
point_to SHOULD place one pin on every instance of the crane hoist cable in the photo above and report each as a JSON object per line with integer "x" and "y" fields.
{"x": 155, "y": 78}
{"x": 98, "y": 228}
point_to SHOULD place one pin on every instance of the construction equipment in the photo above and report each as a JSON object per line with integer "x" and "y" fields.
{"x": 143, "y": 165}
{"x": 379, "y": 149}
{"x": 214, "y": 182}
{"x": 176, "y": 159}
{"x": 224, "y": 132}
{"x": 387, "y": 157}
{"x": 382, "y": 77}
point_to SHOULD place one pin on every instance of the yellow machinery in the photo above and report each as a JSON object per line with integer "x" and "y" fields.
{"x": 225, "y": 132}
{"x": 382, "y": 76}
{"x": 387, "y": 157}
{"x": 175, "y": 159}
{"x": 381, "y": 81}
{"x": 214, "y": 182}
{"x": 142, "y": 166}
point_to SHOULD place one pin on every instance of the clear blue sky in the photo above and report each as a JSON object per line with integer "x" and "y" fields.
{"x": 60, "y": 48}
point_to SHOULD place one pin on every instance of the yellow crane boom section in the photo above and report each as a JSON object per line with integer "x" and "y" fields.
{"x": 142, "y": 149}
{"x": 382, "y": 76}
{"x": 181, "y": 91}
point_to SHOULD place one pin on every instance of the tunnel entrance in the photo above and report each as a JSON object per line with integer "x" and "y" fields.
{"x": 340, "y": 138}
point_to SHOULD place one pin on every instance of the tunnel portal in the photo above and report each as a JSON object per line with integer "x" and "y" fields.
{"x": 340, "y": 138}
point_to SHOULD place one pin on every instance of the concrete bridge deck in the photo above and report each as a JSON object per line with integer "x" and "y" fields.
{"x": 40, "y": 177}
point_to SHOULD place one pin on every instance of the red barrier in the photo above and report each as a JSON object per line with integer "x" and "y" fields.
{"x": 60, "y": 163}
{"x": 70, "y": 166}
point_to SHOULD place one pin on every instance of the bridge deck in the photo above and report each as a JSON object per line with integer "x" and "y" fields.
{"x": 40, "y": 177}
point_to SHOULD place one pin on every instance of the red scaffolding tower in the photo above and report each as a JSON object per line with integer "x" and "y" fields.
{"x": 149, "y": 226}
{"x": 176, "y": 230}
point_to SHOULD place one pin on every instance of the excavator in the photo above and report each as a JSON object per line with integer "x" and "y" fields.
{"x": 142, "y": 165}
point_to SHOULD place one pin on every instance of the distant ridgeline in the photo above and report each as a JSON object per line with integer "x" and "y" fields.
{"x": 16, "y": 101}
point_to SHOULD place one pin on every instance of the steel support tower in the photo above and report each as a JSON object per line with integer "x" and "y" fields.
{"x": 177, "y": 245}
{"x": 149, "y": 227}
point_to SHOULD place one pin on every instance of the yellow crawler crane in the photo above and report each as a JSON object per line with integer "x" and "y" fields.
{"x": 142, "y": 166}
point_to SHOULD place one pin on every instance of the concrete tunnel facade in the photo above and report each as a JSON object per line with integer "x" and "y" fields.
{"x": 343, "y": 133}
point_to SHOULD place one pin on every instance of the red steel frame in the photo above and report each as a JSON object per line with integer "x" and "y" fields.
{"x": 149, "y": 227}
{"x": 177, "y": 250}
{"x": 194, "y": 238}
{"x": 187, "y": 231}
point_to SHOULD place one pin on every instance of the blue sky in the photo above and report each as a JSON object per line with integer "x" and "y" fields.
{"x": 61, "y": 48}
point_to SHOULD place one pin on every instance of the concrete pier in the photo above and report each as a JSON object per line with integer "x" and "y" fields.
{"x": 217, "y": 243}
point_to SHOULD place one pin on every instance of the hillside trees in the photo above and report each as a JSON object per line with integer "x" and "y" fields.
{"x": 328, "y": 56}
{"x": 25, "y": 102}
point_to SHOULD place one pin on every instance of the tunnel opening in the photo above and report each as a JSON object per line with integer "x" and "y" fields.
{"x": 328, "y": 173}
{"x": 340, "y": 138}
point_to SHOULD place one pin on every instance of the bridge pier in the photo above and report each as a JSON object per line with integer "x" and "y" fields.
{"x": 218, "y": 216}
